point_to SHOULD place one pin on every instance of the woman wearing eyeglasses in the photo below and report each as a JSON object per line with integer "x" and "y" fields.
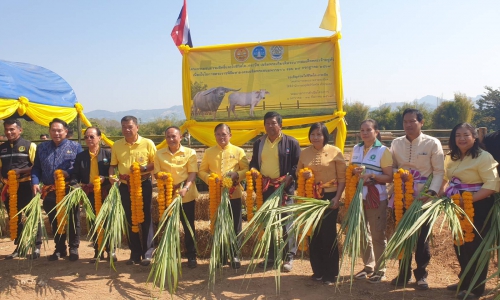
{"x": 90, "y": 164}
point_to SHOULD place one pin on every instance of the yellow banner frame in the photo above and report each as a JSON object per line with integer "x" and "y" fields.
{"x": 243, "y": 131}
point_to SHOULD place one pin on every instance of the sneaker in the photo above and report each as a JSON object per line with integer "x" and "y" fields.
{"x": 236, "y": 264}
{"x": 288, "y": 266}
{"x": 377, "y": 277}
{"x": 422, "y": 284}
{"x": 12, "y": 255}
{"x": 73, "y": 254}
{"x": 363, "y": 274}
{"x": 452, "y": 287}
{"x": 192, "y": 263}
{"x": 315, "y": 277}
{"x": 398, "y": 281}
{"x": 57, "y": 255}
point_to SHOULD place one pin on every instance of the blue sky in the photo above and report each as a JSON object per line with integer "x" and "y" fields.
{"x": 118, "y": 55}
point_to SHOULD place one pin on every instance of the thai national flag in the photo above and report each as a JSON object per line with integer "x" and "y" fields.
{"x": 180, "y": 33}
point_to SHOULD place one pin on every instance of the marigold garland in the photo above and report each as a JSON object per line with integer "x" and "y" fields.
{"x": 249, "y": 199}
{"x": 136, "y": 200}
{"x": 60, "y": 185}
{"x": 13, "y": 188}
{"x": 259, "y": 198}
{"x": 351, "y": 185}
{"x": 301, "y": 183}
{"x": 98, "y": 204}
{"x": 310, "y": 186}
{"x": 468, "y": 229}
{"x": 398, "y": 196}
{"x": 214, "y": 192}
{"x": 409, "y": 192}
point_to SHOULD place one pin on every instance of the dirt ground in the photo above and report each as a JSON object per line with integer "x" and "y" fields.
{"x": 81, "y": 280}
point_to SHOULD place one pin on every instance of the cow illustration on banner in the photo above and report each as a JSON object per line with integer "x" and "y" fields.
{"x": 239, "y": 83}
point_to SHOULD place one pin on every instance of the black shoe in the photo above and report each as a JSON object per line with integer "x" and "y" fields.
{"x": 12, "y": 255}
{"x": 57, "y": 255}
{"x": 236, "y": 264}
{"x": 73, "y": 254}
{"x": 462, "y": 296}
{"x": 34, "y": 255}
{"x": 452, "y": 287}
{"x": 145, "y": 262}
{"x": 315, "y": 277}
{"x": 112, "y": 256}
{"x": 132, "y": 262}
{"x": 399, "y": 281}
{"x": 192, "y": 263}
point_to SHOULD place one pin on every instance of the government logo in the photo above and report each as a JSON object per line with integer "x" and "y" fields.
{"x": 259, "y": 53}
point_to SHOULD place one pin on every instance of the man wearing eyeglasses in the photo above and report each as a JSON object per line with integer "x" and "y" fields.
{"x": 134, "y": 148}
{"x": 90, "y": 165}
{"x": 59, "y": 153}
{"x": 18, "y": 154}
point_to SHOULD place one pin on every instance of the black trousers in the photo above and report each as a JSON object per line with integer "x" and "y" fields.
{"x": 291, "y": 240}
{"x": 188, "y": 209}
{"x": 91, "y": 196}
{"x": 140, "y": 243}
{"x": 323, "y": 251}
{"x": 24, "y": 196}
{"x": 236, "y": 209}
{"x": 481, "y": 210}
{"x": 73, "y": 227}
{"x": 422, "y": 257}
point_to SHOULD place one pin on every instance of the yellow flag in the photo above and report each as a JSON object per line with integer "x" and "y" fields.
{"x": 331, "y": 19}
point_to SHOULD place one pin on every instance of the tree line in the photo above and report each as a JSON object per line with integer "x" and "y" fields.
{"x": 486, "y": 113}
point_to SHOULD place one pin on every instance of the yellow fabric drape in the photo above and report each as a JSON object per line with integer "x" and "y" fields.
{"x": 243, "y": 131}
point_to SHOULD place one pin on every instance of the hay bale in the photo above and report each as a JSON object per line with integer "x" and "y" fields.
{"x": 202, "y": 207}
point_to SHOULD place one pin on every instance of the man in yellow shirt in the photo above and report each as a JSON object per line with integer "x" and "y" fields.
{"x": 226, "y": 159}
{"x": 134, "y": 148}
{"x": 275, "y": 156}
{"x": 182, "y": 163}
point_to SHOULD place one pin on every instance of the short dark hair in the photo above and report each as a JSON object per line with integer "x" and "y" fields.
{"x": 12, "y": 122}
{"x": 44, "y": 135}
{"x": 128, "y": 119}
{"x": 57, "y": 120}
{"x": 420, "y": 116}
{"x": 222, "y": 125}
{"x": 374, "y": 125}
{"x": 97, "y": 130}
{"x": 174, "y": 127}
{"x": 322, "y": 128}
{"x": 455, "y": 153}
{"x": 273, "y": 114}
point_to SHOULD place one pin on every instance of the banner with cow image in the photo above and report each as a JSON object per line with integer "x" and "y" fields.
{"x": 238, "y": 83}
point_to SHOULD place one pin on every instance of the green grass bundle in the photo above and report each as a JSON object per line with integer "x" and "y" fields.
{"x": 166, "y": 264}
{"x": 356, "y": 233}
{"x": 69, "y": 203}
{"x": 33, "y": 221}
{"x": 224, "y": 240}
{"x": 489, "y": 247}
{"x": 111, "y": 222}
{"x": 267, "y": 228}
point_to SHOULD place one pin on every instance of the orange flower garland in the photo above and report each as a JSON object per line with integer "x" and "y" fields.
{"x": 398, "y": 196}
{"x": 310, "y": 186}
{"x": 98, "y": 204}
{"x": 468, "y": 229}
{"x": 249, "y": 199}
{"x": 259, "y": 198}
{"x": 161, "y": 183}
{"x": 214, "y": 196}
{"x": 136, "y": 201}
{"x": 60, "y": 193}
{"x": 169, "y": 190}
{"x": 351, "y": 185}
{"x": 13, "y": 187}
{"x": 409, "y": 191}
{"x": 456, "y": 200}
{"x": 301, "y": 183}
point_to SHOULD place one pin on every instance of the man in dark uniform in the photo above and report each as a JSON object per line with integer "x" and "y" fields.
{"x": 18, "y": 154}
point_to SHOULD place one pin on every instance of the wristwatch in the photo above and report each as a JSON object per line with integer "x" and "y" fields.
{"x": 144, "y": 169}
{"x": 187, "y": 189}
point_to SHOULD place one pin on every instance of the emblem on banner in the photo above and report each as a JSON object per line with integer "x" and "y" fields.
{"x": 276, "y": 52}
{"x": 241, "y": 54}
{"x": 259, "y": 53}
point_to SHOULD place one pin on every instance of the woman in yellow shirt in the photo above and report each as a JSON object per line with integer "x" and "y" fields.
{"x": 469, "y": 168}
{"x": 328, "y": 167}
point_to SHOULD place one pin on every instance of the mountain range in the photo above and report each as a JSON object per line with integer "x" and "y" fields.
{"x": 177, "y": 111}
